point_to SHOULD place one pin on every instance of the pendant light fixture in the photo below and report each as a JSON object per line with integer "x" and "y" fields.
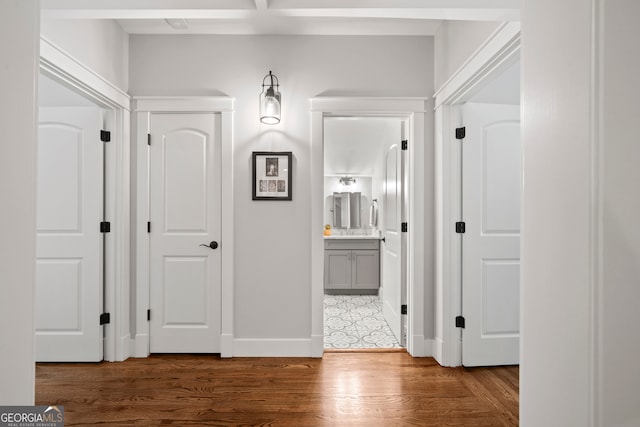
{"x": 270, "y": 100}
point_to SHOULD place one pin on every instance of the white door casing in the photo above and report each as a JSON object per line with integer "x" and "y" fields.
{"x": 491, "y": 192}
{"x": 391, "y": 247}
{"x": 69, "y": 281}
{"x": 185, "y": 213}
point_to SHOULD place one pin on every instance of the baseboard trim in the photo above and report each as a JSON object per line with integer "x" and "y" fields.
{"x": 273, "y": 347}
{"x": 123, "y": 348}
{"x": 438, "y": 345}
{"x": 428, "y": 347}
{"x": 317, "y": 345}
{"x": 226, "y": 345}
{"x": 141, "y": 345}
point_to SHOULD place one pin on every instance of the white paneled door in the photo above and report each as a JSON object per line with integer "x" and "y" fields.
{"x": 491, "y": 181}
{"x": 69, "y": 243}
{"x": 391, "y": 247}
{"x": 185, "y": 253}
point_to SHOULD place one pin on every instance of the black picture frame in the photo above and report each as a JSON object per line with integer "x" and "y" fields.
{"x": 272, "y": 175}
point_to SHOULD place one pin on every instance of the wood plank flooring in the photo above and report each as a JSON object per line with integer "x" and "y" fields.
{"x": 341, "y": 389}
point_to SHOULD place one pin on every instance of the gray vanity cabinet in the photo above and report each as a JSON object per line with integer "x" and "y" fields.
{"x": 351, "y": 264}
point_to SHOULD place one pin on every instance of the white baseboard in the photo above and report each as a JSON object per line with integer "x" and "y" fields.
{"x": 317, "y": 345}
{"x": 226, "y": 345}
{"x": 272, "y": 347}
{"x": 141, "y": 346}
{"x": 422, "y": 347}
{"x": 123, "y": 348}
{"x": 438, "y": 344}
{"x": 428, "y": 347}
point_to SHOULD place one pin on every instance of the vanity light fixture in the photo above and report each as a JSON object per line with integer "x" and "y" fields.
{"x": 270, "y": 100}
{"x": 347, "y": 180}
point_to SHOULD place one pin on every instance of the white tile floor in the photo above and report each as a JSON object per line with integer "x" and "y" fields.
{"x": 356, "y": 321}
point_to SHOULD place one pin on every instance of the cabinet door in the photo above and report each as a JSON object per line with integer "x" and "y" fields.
{"x": 365, "y": 269}
{"x": 337, "y": 269}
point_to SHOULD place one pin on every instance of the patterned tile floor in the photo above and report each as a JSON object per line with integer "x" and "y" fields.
{"x": 356, "y": 321}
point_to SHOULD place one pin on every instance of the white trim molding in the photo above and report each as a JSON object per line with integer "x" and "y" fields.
{"x": 414, "y": 109}
{"x": 64, "y": 67}
{"x": 498, "y": 52}
{"x": 243, "y": 347}
{"x": 143, "y": 106}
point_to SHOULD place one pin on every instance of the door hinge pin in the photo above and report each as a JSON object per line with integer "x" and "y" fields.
{"x": 105, "y": 227}
{"x": 105, "y": 136}
{"x": 105, "y": 318}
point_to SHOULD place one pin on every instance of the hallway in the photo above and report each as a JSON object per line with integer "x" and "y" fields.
{"x": 341, "y": 389}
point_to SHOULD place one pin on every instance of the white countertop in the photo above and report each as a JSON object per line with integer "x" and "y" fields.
{"x": 351, "y": 237}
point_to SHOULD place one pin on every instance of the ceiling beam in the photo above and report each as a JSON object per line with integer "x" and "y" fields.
{"x": 486, "y": 10}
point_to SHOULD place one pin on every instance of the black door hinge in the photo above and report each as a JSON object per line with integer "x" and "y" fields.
{"x": 105, "y": 136}
{"x": 105, "y": 318}
{"x": 461, "y": 132}
{"x": 405, "y": 145}
{"x": 148, "y": 226}
{"x": 459, "y": 322}
{"x": 148, "y": 315}
{"x": 403, "y": 309}
{"x": 105, "y": 227}
{"x": 405, "y": 227}
{"x": 460, "y": 227}
{"x": 148, "y": 139}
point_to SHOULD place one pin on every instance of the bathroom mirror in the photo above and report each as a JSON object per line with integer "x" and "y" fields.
{"x": 346, "y": 210}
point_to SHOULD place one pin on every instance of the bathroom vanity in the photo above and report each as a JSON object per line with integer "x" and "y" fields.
{"x": 352, "y": 264}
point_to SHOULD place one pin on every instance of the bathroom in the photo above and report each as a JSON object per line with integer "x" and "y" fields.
{"x": 358, "y": 154}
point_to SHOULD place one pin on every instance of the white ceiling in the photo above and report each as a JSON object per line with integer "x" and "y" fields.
{"x": 321, "y": 17}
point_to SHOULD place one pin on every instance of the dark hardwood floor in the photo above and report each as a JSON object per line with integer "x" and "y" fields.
{"x": 341, "y": 389}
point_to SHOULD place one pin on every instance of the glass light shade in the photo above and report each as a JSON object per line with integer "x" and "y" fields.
{"x": 270, "y": 99}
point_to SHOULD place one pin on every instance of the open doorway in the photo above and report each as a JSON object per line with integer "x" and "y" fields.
{"x": 413, "y": 110}
{"x": 364, "y": 255}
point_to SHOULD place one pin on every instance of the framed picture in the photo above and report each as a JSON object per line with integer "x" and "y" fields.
{"x": 272, "y": 172}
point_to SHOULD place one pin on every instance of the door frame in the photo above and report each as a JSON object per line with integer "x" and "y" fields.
{"x": 414, "y": 110}
{"x": 497, "y": 53}
{"x": 71, "y": 73}
{"x": 143, "y": 107}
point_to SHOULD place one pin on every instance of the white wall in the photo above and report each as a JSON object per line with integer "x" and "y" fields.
{"x": 580, "y": 245}
{"x": 19, "y": 36}
{"x": 455, "y": 41}
{"x": 100, "y": 45}
{"x": 273, "y": 296}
